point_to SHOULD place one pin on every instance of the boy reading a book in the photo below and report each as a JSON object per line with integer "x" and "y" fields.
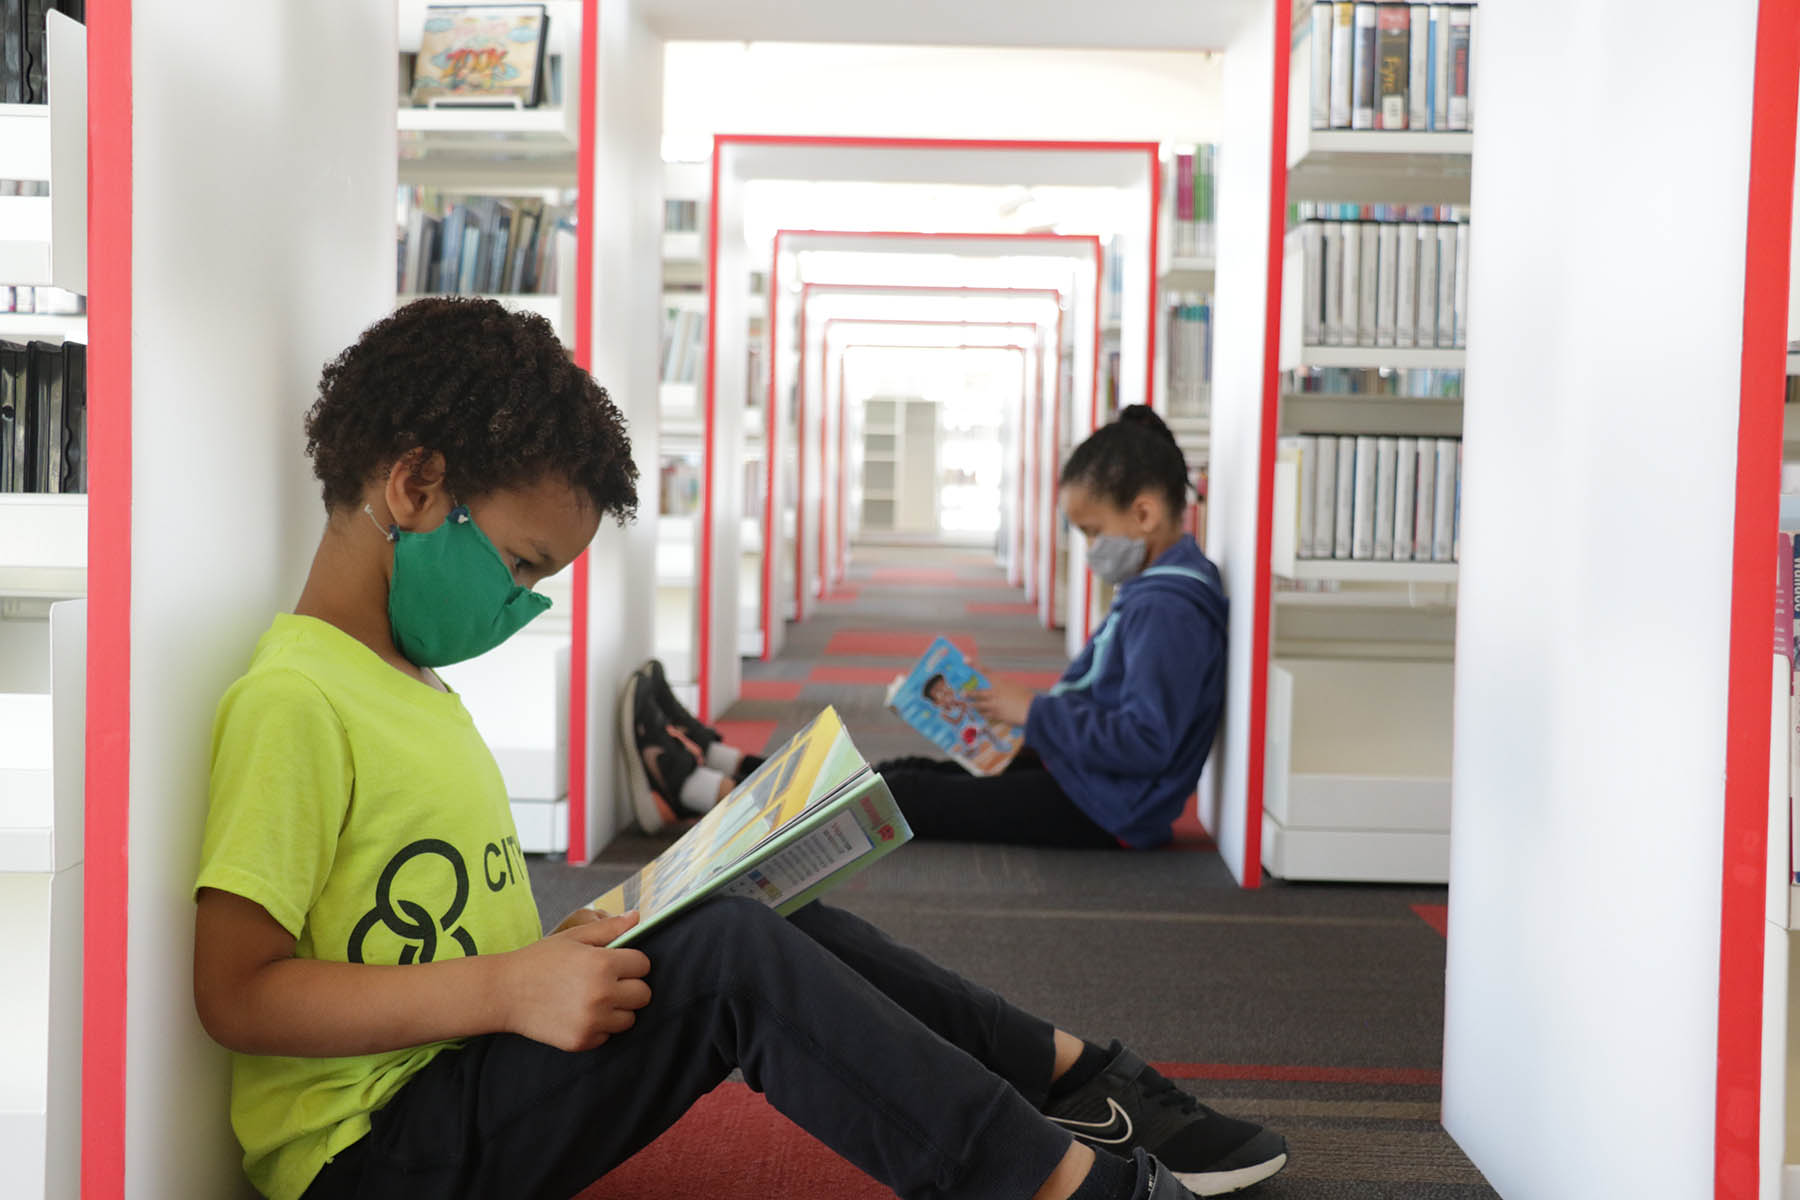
{"x": 1114, "y": 749}
{"x": 366, "y": 942}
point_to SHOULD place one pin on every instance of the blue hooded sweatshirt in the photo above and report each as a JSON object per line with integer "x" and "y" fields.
{"x": 1126, "y": 730}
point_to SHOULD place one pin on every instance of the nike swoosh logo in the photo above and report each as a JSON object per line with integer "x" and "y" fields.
{"x": 1102, "y": 1131}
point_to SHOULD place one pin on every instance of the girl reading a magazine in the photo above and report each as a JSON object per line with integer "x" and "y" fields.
{"x": 1114, "y": 749}
{"x": 366, "y": 942}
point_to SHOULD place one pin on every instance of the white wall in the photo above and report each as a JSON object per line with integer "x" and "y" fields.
{"x": 937, "y": 91}
{"x": 625, "y": 203}
{"x": 1241, "y": 290}
{"x": 237, "y": 304}
{"x": 1580, "y": 1036}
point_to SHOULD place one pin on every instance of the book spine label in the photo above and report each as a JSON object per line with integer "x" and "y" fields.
{"x": 1784, "y": 597}
{"x": 1446, "y": 288}
{"x": 1426, "y": 500}
{"x": 1343, "y": 37}
{"x": 1393, "y": 69}
{"x": 1333, "y": 237}
{"x": 1320, "y": 51}
{"x": 1443, "y": 512}
{"x": 1387, "y": 278}
{"x": 1462, "y": 284}
{"x": 1351, "y": 311}
{"x": 1458, "y": 109}
{"x": 1325, "y": 500}
{"x": 1428, "y": 273}
{"x": 1406, "y": 475}
{"x": 1312, "y": 289}
{"x": 1362, "y": 111}
{"x": 1406, "y": 285}
{"x": 1362, "y": 539}
{"x": 1440, "y": 66}
{"x": 1387, "y": 454}
{"x": 1309, "y": 496}
{"x": 1368, "y": 260}
{"x": 1418, "y": 46}
{"x": 1346, "y": 497}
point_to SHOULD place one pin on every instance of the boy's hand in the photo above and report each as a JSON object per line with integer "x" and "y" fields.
{"x": 582, "y": 916}
{"x": 569, "y": 991}
{"x": 1003, "y": 701}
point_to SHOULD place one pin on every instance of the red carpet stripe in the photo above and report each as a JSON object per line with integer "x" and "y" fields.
{"x": 1409, "y": 1076}
{"x": 1435, "y": 915}
{"x": 842, "y": 595}
{"x": 752, "y": 737}
{"x": 771, "y": 689}
{"x": 1008, "y": 609}
{"x": 1041, "y": 680}
{"x": 847, "y": 643}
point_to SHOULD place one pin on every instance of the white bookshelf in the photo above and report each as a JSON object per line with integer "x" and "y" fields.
{"x": 1368, "y": 357}
{"x": 1793, "y": 362}
{"x": 1188, "y": 274}
{"x": 43, "y": 327}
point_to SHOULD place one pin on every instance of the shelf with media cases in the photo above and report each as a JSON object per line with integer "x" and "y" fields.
{"x": 1188, "y": 274}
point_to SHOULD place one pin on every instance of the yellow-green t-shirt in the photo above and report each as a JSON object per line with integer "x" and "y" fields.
{"x": 363, "y": 811}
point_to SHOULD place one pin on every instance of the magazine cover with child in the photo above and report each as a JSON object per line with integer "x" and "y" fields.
{"x": 934, "y": 698}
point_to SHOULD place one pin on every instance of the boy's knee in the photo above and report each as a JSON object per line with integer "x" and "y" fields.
{"x": 725, "y": 922}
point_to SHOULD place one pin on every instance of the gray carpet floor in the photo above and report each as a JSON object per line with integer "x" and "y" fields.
{"x": 1315, "y": 1009}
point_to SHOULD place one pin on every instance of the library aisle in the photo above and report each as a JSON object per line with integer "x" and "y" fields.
{"x": 1317, "y": 1009}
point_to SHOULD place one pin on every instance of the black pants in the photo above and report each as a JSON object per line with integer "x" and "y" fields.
{"x": 1022, "y": 805}
{"x": 927, "y": 1082}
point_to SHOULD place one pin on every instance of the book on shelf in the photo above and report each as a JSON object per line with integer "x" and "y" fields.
{"x": 810, "y": 817}
{"x": 1399, "y": 277}
{"x": 1189, "y": 350}
{"x": 1190, "y": 192}
{"x": 42, "y": 301}
{"x": 1377, "y": 498}
{"x": 681, "y": 216}
{"x": 934, "y": 698}
{"x": 481, "y": 53}
{"x": 684, "y": 344}
{"x": 1389, "y": 66}
{"x": 43, "y": 417}
{"x": 465, "y": 245}
{"x": 1788, "y": 615}
{"x": 1362, "y": 70}
{"x": 1419, "y": 382}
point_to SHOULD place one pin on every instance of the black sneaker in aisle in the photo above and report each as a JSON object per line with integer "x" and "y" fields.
{"x": 674, "y": 711}
{"x": 637, "y": 716}
{"x": 1128, "y": 1106}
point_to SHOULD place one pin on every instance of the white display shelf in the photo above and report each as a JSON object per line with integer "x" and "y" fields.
{"x": 46, "y": 327}
{"x": 1793, "y": 362}
{"x": 1342, "y": 570}
{"x": 1373, "y": 167}
{"x": 681, "y": 248}
{"x": 1358, "y": 777}
{"x": 1184, "y": 274}
{"x": 43, "y": 546}
{"x": 25, "y": 240}
{"x": 25, "y": 141}
{"x": 27, "y": 795}
{"x": 1365, "y": 357}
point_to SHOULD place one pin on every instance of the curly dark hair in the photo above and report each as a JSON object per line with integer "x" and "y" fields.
{"x": 1133, "y": 454}
{"x": 493, "y": 391}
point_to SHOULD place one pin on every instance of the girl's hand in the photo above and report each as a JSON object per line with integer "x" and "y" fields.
{"x": 1003, "y": 701}
{"x": 569, "y": 991}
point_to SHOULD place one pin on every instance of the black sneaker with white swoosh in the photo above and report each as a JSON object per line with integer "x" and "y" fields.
{"x": 1129, "y": 1106}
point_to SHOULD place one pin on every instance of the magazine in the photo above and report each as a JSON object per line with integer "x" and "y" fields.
{"x": 809, "y": 818}
{"x": 491, "y": 53}
{"x": 934, "y": 699}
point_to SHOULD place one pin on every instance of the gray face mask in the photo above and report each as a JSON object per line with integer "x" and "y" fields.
{"x": 1114, "y": 558}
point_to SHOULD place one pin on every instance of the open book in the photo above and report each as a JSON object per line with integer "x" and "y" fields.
{"x": 809, "y": 818}
{"x": 934, "y": 699}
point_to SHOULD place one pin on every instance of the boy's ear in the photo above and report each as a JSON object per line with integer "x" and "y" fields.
{"x": 415, "y": 491}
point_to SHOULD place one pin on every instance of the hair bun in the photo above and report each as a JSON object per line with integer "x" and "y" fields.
{"x": 1145, "y": 417}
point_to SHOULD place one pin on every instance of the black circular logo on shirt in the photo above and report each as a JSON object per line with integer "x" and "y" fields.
{"x": 409, "y": 920}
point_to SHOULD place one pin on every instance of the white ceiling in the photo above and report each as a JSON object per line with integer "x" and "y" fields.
{"x": 1088, "y": 24}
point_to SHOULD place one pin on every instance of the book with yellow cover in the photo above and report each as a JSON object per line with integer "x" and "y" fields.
{"x": 810, "y": 817}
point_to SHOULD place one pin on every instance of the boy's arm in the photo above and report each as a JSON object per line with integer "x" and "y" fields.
{"x": 253, "y": 996}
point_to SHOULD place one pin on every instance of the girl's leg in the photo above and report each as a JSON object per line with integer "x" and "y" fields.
{"x": 733, "y": 985}
{"x": 1019, "y": 807}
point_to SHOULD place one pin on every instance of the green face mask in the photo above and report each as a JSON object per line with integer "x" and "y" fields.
{"x": 452, "y": 596}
